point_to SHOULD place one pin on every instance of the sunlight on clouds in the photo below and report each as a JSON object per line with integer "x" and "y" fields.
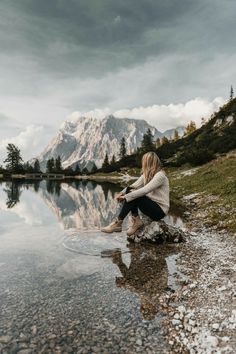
{"x": 161, "y": 116}
{"x": 27, "y": 141}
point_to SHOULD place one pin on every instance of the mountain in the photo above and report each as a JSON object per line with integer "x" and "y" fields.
{"x": 87, "y": 140}
{"x": 217, "y": 136}
{"x": 85, "y": 205}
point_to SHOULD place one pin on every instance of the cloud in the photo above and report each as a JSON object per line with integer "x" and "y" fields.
{"x": 162, "y": 116}
{"x": 30, "y": 141}
{"x": 61, "y": 56}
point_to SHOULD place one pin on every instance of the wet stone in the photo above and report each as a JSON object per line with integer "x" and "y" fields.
{"x": 157, "y": 232}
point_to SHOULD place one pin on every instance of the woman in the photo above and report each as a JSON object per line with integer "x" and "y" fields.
{"x": 149, "y": 194}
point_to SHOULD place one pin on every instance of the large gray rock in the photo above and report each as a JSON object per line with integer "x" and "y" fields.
{"x": 157, "y": 232}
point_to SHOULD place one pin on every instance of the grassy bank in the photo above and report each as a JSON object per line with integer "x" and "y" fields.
{"x": 211, "y": 189}
{"x": 215, "y": 186}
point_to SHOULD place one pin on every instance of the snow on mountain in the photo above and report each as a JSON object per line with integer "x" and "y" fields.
{"x": 87, "y": 140}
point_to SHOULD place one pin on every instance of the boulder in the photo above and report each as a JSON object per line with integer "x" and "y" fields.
{"x": 157, "y": 232}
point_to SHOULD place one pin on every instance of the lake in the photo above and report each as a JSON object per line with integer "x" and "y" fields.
{"x": 68, "y": 288}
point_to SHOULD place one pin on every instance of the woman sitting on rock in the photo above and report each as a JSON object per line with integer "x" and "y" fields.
{"x": 149, "y": 194}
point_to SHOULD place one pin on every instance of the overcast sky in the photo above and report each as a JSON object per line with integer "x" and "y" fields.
{"x": 164, "y": 61}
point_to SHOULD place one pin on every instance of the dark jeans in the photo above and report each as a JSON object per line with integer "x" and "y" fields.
{"x": 145, "y": 205}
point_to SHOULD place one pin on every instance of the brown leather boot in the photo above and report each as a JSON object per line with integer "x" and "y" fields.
{"x": 114, "y": 226}
{"x": 136, "y": 224}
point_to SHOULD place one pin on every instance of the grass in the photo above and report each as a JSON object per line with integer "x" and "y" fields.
{"x": 216, "y": 183}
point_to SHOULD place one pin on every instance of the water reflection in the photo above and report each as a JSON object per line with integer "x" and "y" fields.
{"x": 83, "y": 205}
{"x": 13, "y": 194}
{"x": 147, "y": 275}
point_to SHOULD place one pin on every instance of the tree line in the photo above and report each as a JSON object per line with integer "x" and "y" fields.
{"x": 147, "y": 144}
{"x": 14, "y": 164}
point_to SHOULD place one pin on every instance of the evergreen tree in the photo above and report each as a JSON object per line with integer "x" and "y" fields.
{"x": 36, "y": 166}
{"x": 113, "y": 160}
{"x": 94, "y": 168}
{"x": 85, "y": 171}
{"x": 158, "y": 143}
{"x": 231, "y": 93}
{"x": 28, "y": 168}
{"x": 147, "y": 142}
{"x": 105, "y": 162}
{"x": 58, "y": 166}
{"x": 77, "y": 170}
{"x": 123, "y": 151}
{"x": 14, "y": 160}
{"x": 69, "y": 171}
{"x": 50, "y": 165}
{"x": 203, "y": 121}
{"x": 13, "y": 194}
{"x": 176, "y": 135}
{"x": 164, "y": 140}
{"x": 191, "y": 127}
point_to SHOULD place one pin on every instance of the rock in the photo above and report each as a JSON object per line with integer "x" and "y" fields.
{"x": 215, "y": 326}
{"x": 157, "y": 232}
{"x": 211, "y": 340}
{"x": 34, "y": 330}
{"x": 222, "y": 288}
{"x": 139, "y": 342}
{"x": 5, "y": 339}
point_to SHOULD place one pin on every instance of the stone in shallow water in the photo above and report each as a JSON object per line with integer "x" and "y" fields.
{"x": 157, "y": 232}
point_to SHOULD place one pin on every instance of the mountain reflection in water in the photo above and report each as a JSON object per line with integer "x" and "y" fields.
{"x": 82, "y": 205}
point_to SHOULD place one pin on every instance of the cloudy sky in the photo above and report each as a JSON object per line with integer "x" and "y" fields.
{"x": 165, "y": 61}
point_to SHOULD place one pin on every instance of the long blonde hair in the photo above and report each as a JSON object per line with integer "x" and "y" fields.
{"x": 151, "y": 164}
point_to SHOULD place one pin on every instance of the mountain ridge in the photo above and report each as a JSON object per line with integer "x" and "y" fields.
{"x": 86, "y": 140}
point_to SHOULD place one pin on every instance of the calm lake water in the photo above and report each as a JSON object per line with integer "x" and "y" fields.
{"x": 67, "y": 287}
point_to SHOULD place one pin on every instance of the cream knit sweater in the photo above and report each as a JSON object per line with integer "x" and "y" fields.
{"x": 157, "y": 190}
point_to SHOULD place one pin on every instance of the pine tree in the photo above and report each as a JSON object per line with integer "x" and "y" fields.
{"x": 158, "y": 143}
{"x": 28, "y": 168}
{"x": 113, "y": 160}
{"x": 58, "y": 166}
{"x": 85, "y": 171}
{"x": 14, "y": 160}
{"x": 203, "y": 121}
{"x": 147, "y": 142}
{"x": 50, "y": 165}
{"x": 191, "y": 127}
{"x": 77, "y": 170}
{"x": 164, "y": 140}
{"x": 94, "y": 168}
{"x": 231, "y": 93}
{"x": 36, "y": 167}
{"x": 176, "y": 135}
{"x": 123, "y": 152}
{"x": 105, "y": 162}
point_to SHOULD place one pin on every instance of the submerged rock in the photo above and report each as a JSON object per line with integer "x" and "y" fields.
{"x": 157, "y": 232}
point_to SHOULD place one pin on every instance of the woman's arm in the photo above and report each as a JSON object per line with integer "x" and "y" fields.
{"x": 155, "y": 182}
{"x": 137, "y": 184}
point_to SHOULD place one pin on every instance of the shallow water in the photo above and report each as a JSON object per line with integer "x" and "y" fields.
{"x": 60, "y": 274}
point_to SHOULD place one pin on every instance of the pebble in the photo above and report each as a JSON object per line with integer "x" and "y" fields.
{"x": 216, "y": 326}
{"x": 5, "y": 339}
{"x": 139, "y": 342}
{"x": 222, "y": 288}
{"x": 211, "y": 340}
{"x": 34, "y": 330}
{"x": 176, "y": 316}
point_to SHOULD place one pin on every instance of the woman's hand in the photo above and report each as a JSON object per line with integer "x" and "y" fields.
{"x": 119, "y": 197}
